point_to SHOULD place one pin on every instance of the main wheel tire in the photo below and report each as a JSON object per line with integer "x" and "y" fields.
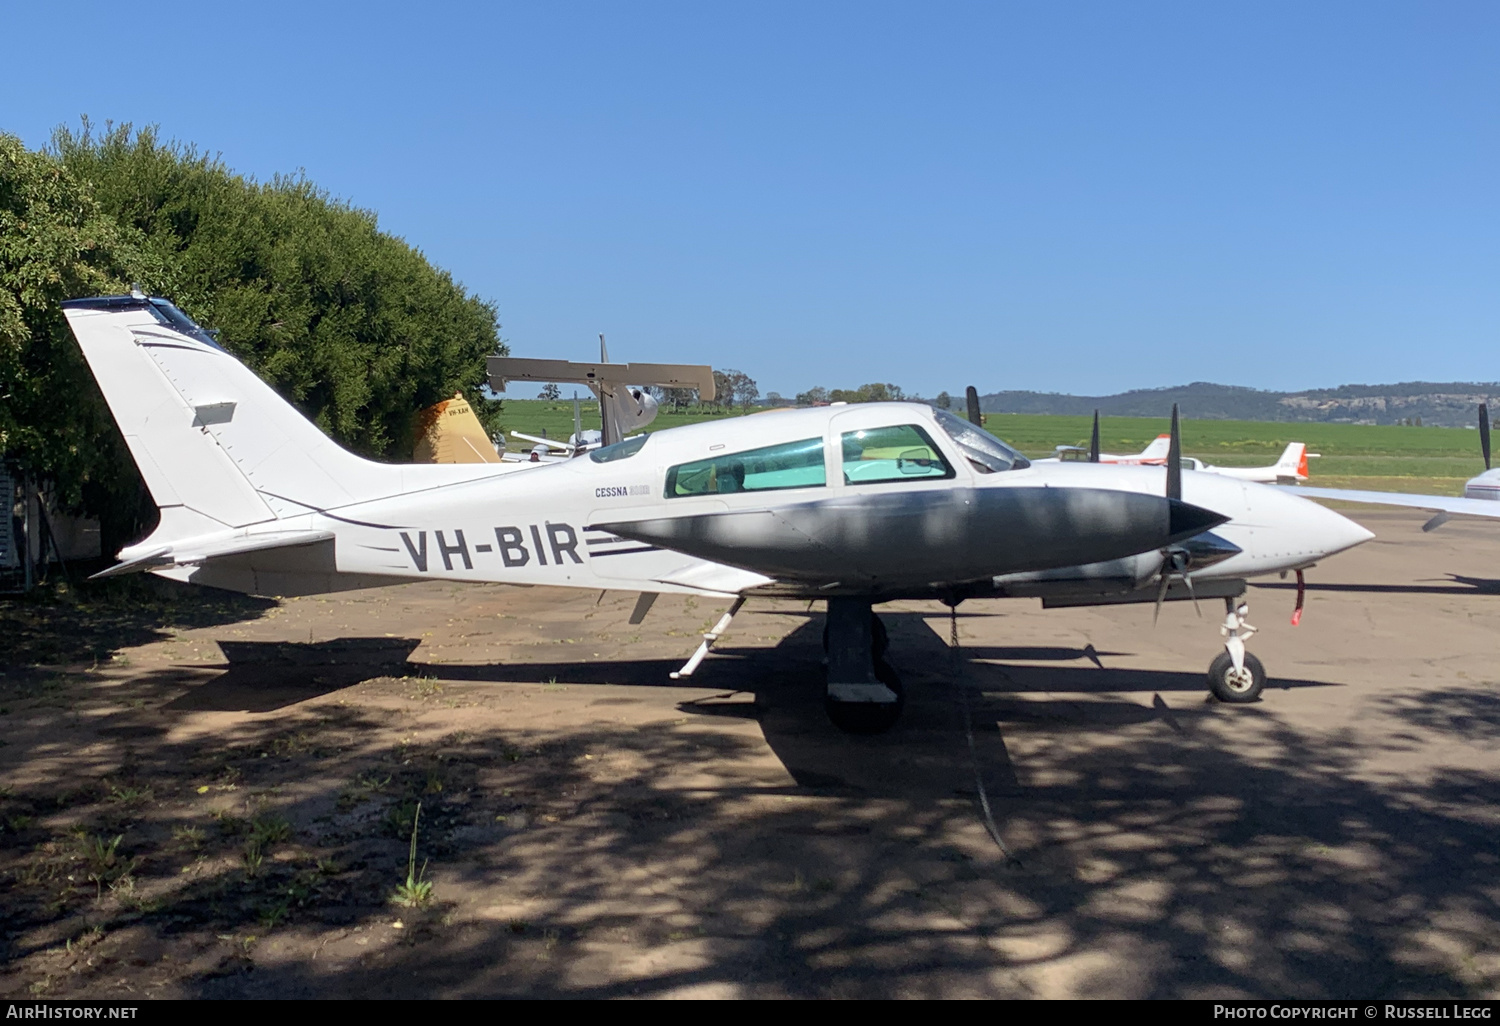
{"x": 1228, "y": 686}
{"x": 870, "y": 717}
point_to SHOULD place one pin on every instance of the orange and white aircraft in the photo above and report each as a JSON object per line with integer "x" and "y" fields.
{"x": 1290, "y": 468}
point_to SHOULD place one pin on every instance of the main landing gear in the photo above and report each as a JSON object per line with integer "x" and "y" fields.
{"x": 865, "y": 695}
{"x": 1236, "y": 675}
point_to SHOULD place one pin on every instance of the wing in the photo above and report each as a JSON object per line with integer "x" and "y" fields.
{"x": 1439, "y": 503}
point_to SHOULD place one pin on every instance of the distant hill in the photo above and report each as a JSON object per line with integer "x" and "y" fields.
{"x": 1451, "y": 404}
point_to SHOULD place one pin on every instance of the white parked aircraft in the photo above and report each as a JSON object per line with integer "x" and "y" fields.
{"x": 1154, "y": 455}
{"x": 1481, "y": 496}
{"x": 623, "y": 407}
{"x": 1290, "y": 468}
{"x": 855, "y": 505}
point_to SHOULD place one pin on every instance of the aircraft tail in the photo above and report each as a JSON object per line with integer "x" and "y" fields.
{"x": 1158, "y": 448}
{"x": 448, "y": 432}
{"x": 1293, "y": 462}
{"x": 219, "y": 450}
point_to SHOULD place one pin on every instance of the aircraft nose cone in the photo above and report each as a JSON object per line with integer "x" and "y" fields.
{"x": 1343, "y": 534}
{"x": 1186, "y": 520}
{"x": 1320, "y": 532}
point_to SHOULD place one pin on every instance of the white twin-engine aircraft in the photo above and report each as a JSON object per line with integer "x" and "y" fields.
{"x": 854, "y": 505}
{"x": 1289, "y": 468}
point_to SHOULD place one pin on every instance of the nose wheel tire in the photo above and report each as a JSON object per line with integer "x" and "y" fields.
{"x": 1239, "y": 687}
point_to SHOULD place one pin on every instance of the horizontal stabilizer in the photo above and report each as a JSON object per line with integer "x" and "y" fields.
{"x": 200, "y": 550}
{"x": 504, "y": 369}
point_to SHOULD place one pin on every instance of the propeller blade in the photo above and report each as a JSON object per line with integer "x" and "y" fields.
{"x": 1174, "y": 459}
{"x": 1484, "y": 432}
{"x": 1094, "y": 440}
{"x": 972, "y": 395}
{"x": 1161, "y": 596}
{"x": 1193, "y": 594}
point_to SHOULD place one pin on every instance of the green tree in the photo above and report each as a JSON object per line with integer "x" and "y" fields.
{"x": 740, "y": 388}
{"x": 350, "y": 324}
{"x": 55, "y": 244}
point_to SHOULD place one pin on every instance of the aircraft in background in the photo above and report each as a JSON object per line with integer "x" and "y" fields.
{"x": 1289, "y": 468}
{"x": 852, "y": 505}
{"x": 623, "y": 407}
{"x": 448, "y": 432}
{"x": 1154, "y": 454}
{"x": 1481, "y": 496}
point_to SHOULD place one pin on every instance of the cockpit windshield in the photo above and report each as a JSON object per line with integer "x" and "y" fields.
{"x": 986, "y": 453}
{"x": 168, "y": 315}
{"x": 619, "y": 450}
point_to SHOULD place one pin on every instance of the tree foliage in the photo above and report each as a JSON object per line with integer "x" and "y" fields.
{"x": 55, "y": 244}
{"x": 350, "y": 324}
{"x": 733, "y": 387}
{"x": 871, "y": 393}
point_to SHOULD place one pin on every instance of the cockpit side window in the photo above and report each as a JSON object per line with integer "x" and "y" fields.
{"x": 619, "y": 451}
{"x": 791, "y": 465}
{"x": 986, "y": 453}
{"x": 902, "y": 453}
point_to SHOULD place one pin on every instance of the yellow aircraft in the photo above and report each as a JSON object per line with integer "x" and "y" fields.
{"x": 448, "y": 432}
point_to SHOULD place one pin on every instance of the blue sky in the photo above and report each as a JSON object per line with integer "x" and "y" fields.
{"x": 1075, "y": 197}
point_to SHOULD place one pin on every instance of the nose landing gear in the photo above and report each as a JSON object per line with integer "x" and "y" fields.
{"x": 1236, "y": 675}
{"x": 865, "y": 695}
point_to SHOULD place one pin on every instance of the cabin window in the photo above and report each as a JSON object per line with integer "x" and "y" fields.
{"x": 902, "y": 453}
{"x": 791, "y": 465}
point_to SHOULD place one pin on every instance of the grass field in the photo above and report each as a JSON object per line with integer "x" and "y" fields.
{"x": 1384, "y": 458}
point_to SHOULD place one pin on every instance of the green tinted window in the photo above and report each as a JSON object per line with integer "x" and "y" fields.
{"x": 902, "y": 453}
{"x": 793, "y": 465}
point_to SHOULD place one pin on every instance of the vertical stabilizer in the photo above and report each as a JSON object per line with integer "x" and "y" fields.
{"x": 1158, "y": 448}
{"x": 1292, "y": 466}
{"x": 217, "y": 446}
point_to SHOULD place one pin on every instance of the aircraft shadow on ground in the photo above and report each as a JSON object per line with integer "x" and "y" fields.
{"x": 1456, "y": 584}
{"x": 264, "y": 676}
{"x": 106, "y": 621}
{"x": 787, "y": 682}
{"x": 1163, "y": 853}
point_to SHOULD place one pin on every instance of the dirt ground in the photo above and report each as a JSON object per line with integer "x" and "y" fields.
{"x": 209, "y": 795}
